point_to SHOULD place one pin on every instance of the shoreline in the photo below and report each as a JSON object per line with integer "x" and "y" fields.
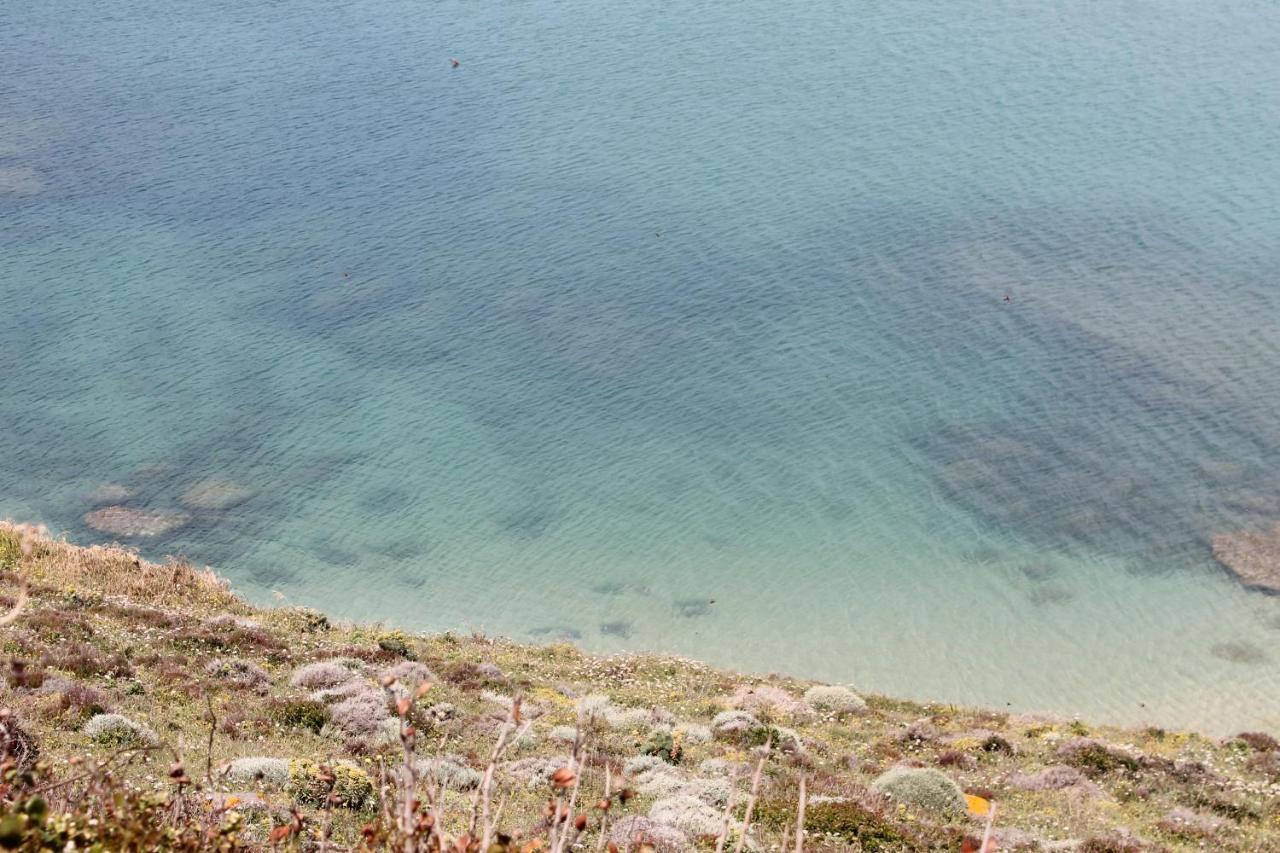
{"x": 149, "y": 642}
{"x": 1141, "y": 706}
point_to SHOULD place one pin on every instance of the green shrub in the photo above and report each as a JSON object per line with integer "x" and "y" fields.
{"x": 661, "y": 744}
{"x": 309, "y": 787}
{"x": 852, "y": 822}
{"x": 1096, "y": 758}
{"x": 923, "y": 787}
{"x": 396, "y": 642}
{"x": 306, "y": 714}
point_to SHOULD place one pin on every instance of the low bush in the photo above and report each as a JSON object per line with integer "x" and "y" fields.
{"x": 311, "y": 783}
{"x": 116, "y": 730}
{"x": 856, "y": 824}
{"x": 322, "y": 674}
{"x": 923, "y": 787}
{"x": 297, "y": 713}
{"x": 837, "y": 700}
{"x": 258, "y": 770}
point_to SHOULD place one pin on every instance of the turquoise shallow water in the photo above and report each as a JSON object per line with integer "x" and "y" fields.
{"x": 674, "y": 326}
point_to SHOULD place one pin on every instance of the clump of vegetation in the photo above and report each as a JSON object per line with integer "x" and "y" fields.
{"x": 297, "y": 713}
{"x": 693, "y": 733}
{"x": 396, "y": 643}
{"x": 306, "y": 620}
{"x": 361, "y": 714}
{"x": 16, "y": 744}
{"x": 1096, "y": 758}
{"x": 733, "y": 725}
{"x": 10, "y": 549}
{"x": 663, "y": 744}
{"x": 924, "y": 787}
{"x": 1259, "y": 741}
{"x": 241, "y": 673}
{"x": 850, "y": 820}
{"x": 24, "y": 677}
{"x": 837, "y": 700}
{"x": 321, "y": 675}
{"x": 78, "y": 702}
{"x": 258, "y": 770}
{"x": 312, "y": 783}
{"x": 451, "y": 774}
{"x": 119, "y": 731}
{"x": 86, "y": 661}
{"x": 409, "y": 674}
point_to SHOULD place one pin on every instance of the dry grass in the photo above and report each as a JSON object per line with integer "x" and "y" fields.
{"x": 116, "y": 571}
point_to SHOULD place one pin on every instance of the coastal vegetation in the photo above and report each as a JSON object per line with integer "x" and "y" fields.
{"x": 146, "y": 706}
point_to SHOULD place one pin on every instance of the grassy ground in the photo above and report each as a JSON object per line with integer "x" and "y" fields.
{"x": 166, "y": 645}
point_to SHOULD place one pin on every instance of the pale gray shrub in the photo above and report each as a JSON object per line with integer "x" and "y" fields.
{"x": 451, "y": 774}
{"x": 689, "y": 814}
{"x": 321, "y": 675}
{"x": 1053, "y": 778}
{"x": 118, "y": 730}
{"x": 242, "y": 673}
{"x": 923, "y": 787}
{"x": 629, "y": 832}
{"x": 693, "y": 732}
{"x": 360, "y": 715}
{"x": 410, "y": 673}
{"x": 766, "y": 697}
{"x": 259, "y": 769}
{"x": 563, "y": 734}
{"x": 638, "y": 765}
{"x": 731, "y": 723}
{"x": 835, "y": 699}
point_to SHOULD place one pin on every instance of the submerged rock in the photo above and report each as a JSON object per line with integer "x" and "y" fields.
{"x": 20, "y": 180}
{"x": 110, "y": 493}
{"x": 213, "y": 495}
{"x": 123, "y": 521}
{"x": 1252, "y": 556}
{"x": 1238, "y": 651}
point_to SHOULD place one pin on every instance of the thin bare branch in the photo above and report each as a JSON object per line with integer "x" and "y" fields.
{"x": 751, "y": 801}
{"x": 16, "y": 610}
{"x": 800, "y": 817}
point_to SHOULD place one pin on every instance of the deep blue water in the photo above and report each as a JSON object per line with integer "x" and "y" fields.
{"x": 652, "y": 305}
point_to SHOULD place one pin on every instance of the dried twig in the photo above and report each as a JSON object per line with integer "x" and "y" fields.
{"x": 604, "y": 818}
{"x": 723, "y": 837}
{"x": 208, "y": 757}
{"x": 986, "y": 835}
{"x": 800, "y": 818}
{"x": 751, "y": 801}
{"x": 18, "y": 606}
{"x": 575, "y": 766}
{"x": 480, "y": 808}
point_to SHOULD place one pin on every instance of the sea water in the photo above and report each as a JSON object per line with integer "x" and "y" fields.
{"x": 674, "y": 326}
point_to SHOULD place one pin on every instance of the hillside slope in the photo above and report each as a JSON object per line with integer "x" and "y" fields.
{"x": 147, "y": 706}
